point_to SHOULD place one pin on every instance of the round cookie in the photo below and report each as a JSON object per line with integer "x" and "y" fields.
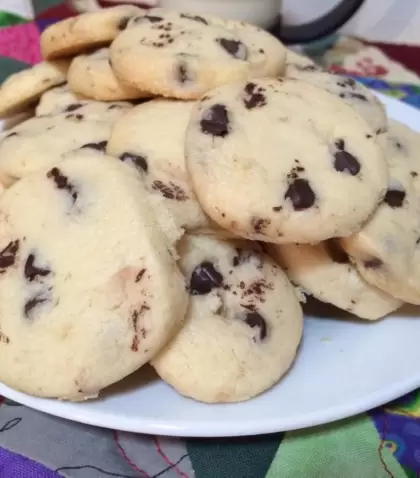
{"x": 75, "y": 317}
{"x": 354, "y": 94}
{"x": 83, "y": 32}
{"x": 56, "y": 100}
{"x": 283, "y": 161}
{"x": 91, "y": 76}
{"x": 326, "y": 272}
{"x": 24, "y": 88}
{"x": 386, "y": 250}
{"x": 242, "y": 328}
{"x": 41, "y": 141}
{"x": 150, "y": 137}
{"x": 183, "y": 56}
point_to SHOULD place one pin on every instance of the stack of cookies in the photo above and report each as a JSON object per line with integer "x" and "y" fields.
{"x": 175, "y": 186}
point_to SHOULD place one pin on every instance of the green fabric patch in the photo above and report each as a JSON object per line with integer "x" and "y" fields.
{"x": 8, "y": 19}
{"x": 247, "y": 457}
{"x": 347, "y": 449}
{"x": 8, "y": 66}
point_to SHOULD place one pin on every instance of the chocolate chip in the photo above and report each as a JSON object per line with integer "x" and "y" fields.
{"x": 140, "y": 162}
{"x": 244, "y": 256}
{"x": 195, "y": 18}
{"x": 394, "y": 198}
{"x": 381, "y": 130}
{"x": 336, "y": 252}
{"x": 122, "y": 24}
{"x": 32, "y": 303}
{"x": 300, "y": 194}
{"x": 253, "y": 320}
{"x": 31, "y": 271}
{"x": 72, "y": 107}
{"x": 170, "y": 191}
{"x": 151, "y": 18}
{"x": 101, "y": 146}
{"x": 10, "y": 135}
{"x": 368, "y": 136}
{"x": 140, "y": 275}
{"x": 235, "y": 48}
{"x": 8, "y": 254}
{"x": 414, "y": 174}
{"x": 345, "y": 162}
{"x": 357, "y": 96}
{"x": 259, "y": 224}
{"x": 62, "y": 182}
{"x": 373, "y": 263}
{"x": 204, "y": 279}
{"x": 182, "y": 73}
{"x": 78, "y": 117}
{"x": 254, "y": 96}
{"x": 277, "y": 208}
{"x": 215, "y": 121}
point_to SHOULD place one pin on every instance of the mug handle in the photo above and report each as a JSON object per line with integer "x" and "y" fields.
{"x": 321, "y": 27}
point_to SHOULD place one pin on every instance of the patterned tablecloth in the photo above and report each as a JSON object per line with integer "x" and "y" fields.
{"x": 380, "y": 444}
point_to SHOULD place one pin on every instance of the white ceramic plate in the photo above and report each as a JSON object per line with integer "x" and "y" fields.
{"x": 344, "y": 368}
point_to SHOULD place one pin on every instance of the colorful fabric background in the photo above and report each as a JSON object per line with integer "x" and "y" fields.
{"x": 380, "y": 444}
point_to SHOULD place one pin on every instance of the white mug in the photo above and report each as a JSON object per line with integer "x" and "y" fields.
{"x": 267, "y": 14}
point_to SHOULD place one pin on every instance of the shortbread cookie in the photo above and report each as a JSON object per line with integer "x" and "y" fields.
{"x": 41, "y": 141}
{"x": 21, "y": 90}
{"x": 56, "y": 100}
{"x": 283, "y": 161}
{"x": 91, "y": 75}
{"x": 87, "y": 31}
{"x": 326, "y": 272}
{"x": 87, "y": 294}
{"x": 354, "y": 94}
{"x": 387, "y": 249}
{"x": 151, "y": 139}
{"x": 243, "y": 325}
{"x": 183, "y": 56}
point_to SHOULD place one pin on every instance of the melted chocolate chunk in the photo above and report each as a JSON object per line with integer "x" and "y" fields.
{"x": 253, "y": 320}
{"x": 235, "y": 48}
{"x": 101, "y": 146}
{"x": 72, "y": 107}
{"x": 373, "y": 263}
{"x": 394, "y": 198}
{"x": 62, "y": 182}
{"x": 344, "y": 162}
{"x": 195, "y": 18}
{"x": 255, "y": 96}
{"x": 31, "y": 271}
{"x": 204, "y": 279}
{"x": 140, "y": 162}
{"x": 122, "y": 24}
{"x": 32, "y": 303}
{"x": 170, "y": 191}
{"x": 215, "y": 121}
{"x": 140, "y": 275}
{"x": 8, "y": 254}
{"x": 300, "y": 194}
{"x": 336, "y": 252}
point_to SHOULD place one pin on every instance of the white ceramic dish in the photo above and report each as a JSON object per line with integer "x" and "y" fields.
{"x": 344, "y": 368}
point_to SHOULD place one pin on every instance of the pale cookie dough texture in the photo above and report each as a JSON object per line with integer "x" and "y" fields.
{"x": 387, "y": 249}
{"x": 183, "y": 56}
{"x": 56, "y": 100}
{"x": 151, "y": 139}
{"x": 43, "y": 140}
{"x": 84, "y": 32}
{"x": 326, "y": 272}
{"x": 283, "y": 161}
{"x": 87, "y": 294}
{"x": 21, "y": 90}
{"x": 354, "y": 94}
{"x": 243, "y": 325}
{"x": 91, "y": 76}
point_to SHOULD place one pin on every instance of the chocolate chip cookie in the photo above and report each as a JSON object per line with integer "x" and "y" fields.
{"x": 243, "y": 325}
{"x": 284, "y": 161}
{"x": 75, "y": 317}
